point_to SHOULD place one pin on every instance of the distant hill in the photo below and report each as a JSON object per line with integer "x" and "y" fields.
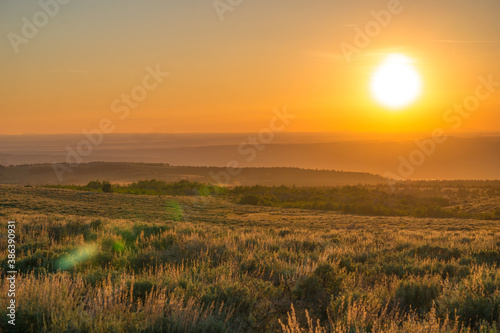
{"x": 123, "y": 172}
{"x": 467, "y": 157}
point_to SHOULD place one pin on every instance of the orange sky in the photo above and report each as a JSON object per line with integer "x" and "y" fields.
{"x": 227, "y": 76}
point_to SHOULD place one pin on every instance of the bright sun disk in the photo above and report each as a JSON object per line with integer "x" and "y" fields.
{"x": 396, "y": 83}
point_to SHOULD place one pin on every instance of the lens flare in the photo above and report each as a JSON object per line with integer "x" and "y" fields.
{"x": 76, "y": 257}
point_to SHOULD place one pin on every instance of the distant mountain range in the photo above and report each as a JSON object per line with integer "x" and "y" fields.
{"x": 126, "y": 172}
{"x": 456, "y": 158}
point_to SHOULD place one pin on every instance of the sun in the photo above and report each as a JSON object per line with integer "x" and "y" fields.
{"x": 396, "y": 83}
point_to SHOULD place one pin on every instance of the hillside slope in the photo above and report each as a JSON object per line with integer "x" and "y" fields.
{"x": 42, "y": 174}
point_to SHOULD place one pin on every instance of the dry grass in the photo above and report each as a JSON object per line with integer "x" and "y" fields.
{"x": 112, "y": 263}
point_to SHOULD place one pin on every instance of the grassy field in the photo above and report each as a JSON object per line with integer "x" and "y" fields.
{"x": 463, "y": 199}
{"x": 108, "y": 262}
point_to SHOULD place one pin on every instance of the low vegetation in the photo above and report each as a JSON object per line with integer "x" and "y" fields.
{"x": 418, "y": 199}
{"x": 120, "y": 262}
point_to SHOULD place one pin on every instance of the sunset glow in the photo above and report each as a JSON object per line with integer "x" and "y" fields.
{"x": 68, "y": 76}
{"x": 396, "y": 83}
{"x": 250, "y": 166}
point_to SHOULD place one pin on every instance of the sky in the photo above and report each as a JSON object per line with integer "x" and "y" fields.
{"x": 231, "y": 63}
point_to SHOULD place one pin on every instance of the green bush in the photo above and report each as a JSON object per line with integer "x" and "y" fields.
{"x": 94, "y": 185}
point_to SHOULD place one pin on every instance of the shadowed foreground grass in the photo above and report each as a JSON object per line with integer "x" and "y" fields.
{"x": 173, "y": 264}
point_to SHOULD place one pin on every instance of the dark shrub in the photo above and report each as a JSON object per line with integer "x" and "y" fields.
{"x": 141, "y": 289}
{"x": 211, "y": 325}
{"x": 143, "y": 260}
{"x": 319, "y": 288}
{"x": 57, "y": 232}
{"x": 77, "y": 227}
{"x": 309, "y": 288}
{"x": 330, "y": 279}
{"x": 107, "y": 244}
{"x": 41, "y": 258}
{"x": 95, "y": 277}
{"x": 438, "y": 252}
{"x": 96, "y": 225}
{"x": 234, "y": 295}
{"x": 490, "y": 257}
{"x": 94, "y": 185}
{"x": 249, "y": 199}
{"x": 284, "y": 232}
{"x": 453, "y": 270}
{"x": 476, "y": 308}
{"x": 165, "y": 242}
{"x": 417, "y": 295}
{"x": 128, "y": 236}
{"x": 102, "y": 259}
{"x": 106, "y": 187}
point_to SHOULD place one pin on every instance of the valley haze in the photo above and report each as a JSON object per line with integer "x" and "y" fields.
{"x": 377, "y": 154}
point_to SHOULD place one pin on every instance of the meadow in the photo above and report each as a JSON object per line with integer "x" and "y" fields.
{"x": 119, "y": 260}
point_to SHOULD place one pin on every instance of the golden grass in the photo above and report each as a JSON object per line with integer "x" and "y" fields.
{"x": 230, "y": 268}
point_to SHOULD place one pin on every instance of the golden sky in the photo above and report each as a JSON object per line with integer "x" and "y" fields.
{"x": 228, "y": 75}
